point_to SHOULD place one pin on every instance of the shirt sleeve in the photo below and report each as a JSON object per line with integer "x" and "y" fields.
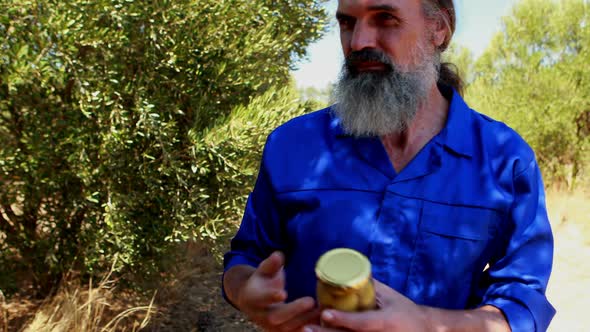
{"x": 517, "y": 278}
{"x": 260, "y": 233}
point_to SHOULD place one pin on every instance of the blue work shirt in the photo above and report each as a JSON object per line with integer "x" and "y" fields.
{"x": 464, "y": 224}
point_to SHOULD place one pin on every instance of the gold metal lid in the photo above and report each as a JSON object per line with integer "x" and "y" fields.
{"x": 343, "y": 267}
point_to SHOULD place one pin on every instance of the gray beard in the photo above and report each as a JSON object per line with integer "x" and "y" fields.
{"x": 384, "y": 102}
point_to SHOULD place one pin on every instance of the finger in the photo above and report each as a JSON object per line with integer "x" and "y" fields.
{"x": 272, "y": 265}
{"x": 282, "y": 313}
{"x": 264, "y": 297}
{"x": 297, "y": 323}
{"x": 365, "y": 321}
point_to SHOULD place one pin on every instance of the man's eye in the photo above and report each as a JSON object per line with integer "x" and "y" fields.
{"x": 387, "y": 18}
{"x": 345, "y": 23}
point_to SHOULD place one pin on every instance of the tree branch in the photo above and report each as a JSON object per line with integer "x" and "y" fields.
{"x": 6, "y": 225}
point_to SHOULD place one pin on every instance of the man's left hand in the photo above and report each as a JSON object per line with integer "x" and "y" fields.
{"x": 395, "y": 313}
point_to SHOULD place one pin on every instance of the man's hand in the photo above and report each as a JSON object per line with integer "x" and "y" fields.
{"x": 398, "y": 313}
{"x": 262, "y": 299}
{"x": 395, "y": 313}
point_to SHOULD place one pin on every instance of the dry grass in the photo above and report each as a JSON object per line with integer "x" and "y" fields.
{"x": 3, "y": 313}
{"x": 189, "y": 299}
{"x": 88, "y": 309}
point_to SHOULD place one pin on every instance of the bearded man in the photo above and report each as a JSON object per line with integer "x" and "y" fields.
{"x": 447, "y": 204}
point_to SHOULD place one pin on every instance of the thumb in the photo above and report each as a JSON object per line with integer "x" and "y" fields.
{"x": 271, "y": 266}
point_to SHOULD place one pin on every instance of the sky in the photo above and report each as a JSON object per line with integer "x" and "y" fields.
{"x": 477, "y": 22}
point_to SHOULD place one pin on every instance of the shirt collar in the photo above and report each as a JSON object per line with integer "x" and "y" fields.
{"x": 456, "y": 133}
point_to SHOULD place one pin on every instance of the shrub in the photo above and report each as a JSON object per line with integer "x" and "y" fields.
{"x": 108, "y": 111}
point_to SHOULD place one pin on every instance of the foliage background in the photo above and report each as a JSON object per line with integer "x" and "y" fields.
{"x": 535, "y": 76}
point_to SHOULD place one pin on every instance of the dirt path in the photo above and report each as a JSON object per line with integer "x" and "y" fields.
{"x": 569, "y": 286}
{"x": 198, "y": 307}
{"x": 192, "y": 302}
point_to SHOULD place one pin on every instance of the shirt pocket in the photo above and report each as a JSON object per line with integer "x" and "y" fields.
{"x": 456, "y": 222}
{"x": 450, "y": 251}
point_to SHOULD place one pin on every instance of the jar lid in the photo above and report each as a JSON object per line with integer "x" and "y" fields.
{"x": 343, "y": 267}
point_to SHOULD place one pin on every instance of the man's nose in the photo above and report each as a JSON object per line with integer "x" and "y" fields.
{"x": 363, "y": 37}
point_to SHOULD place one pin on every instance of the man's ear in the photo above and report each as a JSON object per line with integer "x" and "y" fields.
{"x": 441, "y": 30}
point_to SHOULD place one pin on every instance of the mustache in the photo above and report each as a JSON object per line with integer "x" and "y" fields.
{"x": 356, "y": 58}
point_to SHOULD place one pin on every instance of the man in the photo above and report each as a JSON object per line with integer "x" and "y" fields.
{"x": 446, "y": 203}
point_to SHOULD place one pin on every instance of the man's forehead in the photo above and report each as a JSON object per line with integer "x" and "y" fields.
{"x": 354, "y": 5}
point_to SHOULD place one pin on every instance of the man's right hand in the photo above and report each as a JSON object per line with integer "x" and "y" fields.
{"x": 262, "y": 296}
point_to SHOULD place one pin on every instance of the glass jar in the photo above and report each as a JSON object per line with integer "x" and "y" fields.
{"x": 344, "y": 281}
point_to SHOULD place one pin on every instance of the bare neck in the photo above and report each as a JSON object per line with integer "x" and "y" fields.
{"x": 428, "y": 122}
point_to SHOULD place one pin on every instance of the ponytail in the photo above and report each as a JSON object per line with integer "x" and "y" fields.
{"x": 449, "y": 75}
